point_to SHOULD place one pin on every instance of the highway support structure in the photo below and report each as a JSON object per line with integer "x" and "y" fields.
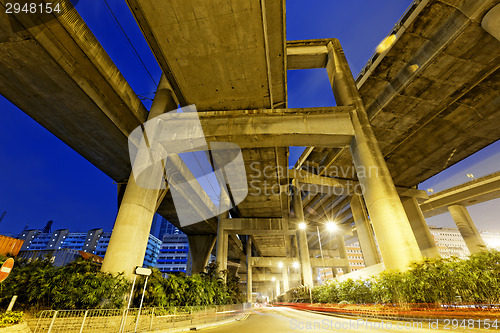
{"x": 467, "y": 228}
{"x": 400, "y": 233}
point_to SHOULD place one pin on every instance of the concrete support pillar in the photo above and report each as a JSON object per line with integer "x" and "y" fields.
{"x": 305, "y": 261}
{"x": 343, "y": 252}
{"x": 420, "y": 228}
{"x": 467, "y": 228}
{"x": 364, "y": 231}
{"x": 222, "y": 244}
{"x": 200, "y": 247}
{"x": 397, "y": 243}
{"x": 277, "y": 288}
{"x": 249, "y": 270}
{"x": 222, "y": 235}
{"x": 129, "y": 238}
{"x": 286, "y": 285}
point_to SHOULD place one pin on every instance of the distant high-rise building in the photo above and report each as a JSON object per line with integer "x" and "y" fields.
{"x": 154, "y": 225}
{"x": 173, "y": 254}
{"x": 150, "y": 257}
{"x": 28, "y": 236}
{"x": 449, "y": 243}
{"x": 167, "y": 228}
{"x": 152, "y": 252}
{"x": 94, "y": 241}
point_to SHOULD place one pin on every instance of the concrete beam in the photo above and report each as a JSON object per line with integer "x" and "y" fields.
{"x": 336, "y": 186}
{"x": 315, "y": 262}
{"x": 306, "y": 57}
{"x": 306, "y": 54}
{"x": 268, "y": 277}
{"x": 255, "y": 226}
{"x": 321, "y": 127}
{"x": 326, "y": 253}
{"x": 476, "y": 191}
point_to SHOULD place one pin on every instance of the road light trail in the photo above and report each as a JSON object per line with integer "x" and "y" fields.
{"x": 282, "y": 319}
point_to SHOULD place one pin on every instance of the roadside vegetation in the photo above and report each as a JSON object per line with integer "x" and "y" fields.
{"x": 430, "y": 281}
{"x": 81, "y": 285}
{"x": 10, "y": 318}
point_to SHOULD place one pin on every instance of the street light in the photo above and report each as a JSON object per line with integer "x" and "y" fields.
{"x": 295, "y": 265}
{"x": 332, "y": 226}
{"x": 321, "y": 248}
{"x": 280, "y": 264}
{"x": 302, "y": 225}
{"x": 273, "y": 279}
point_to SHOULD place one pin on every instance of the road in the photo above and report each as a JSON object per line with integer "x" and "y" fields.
{"x": 281, "y": 319}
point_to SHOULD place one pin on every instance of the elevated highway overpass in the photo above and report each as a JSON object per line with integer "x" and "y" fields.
{"x": 424, "y": 104}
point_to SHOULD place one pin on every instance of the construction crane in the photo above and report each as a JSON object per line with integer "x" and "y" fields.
{"x": 48, "y": 227}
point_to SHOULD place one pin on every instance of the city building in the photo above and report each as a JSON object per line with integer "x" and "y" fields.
{"x": 150, "y": 257}
{"x": 9, "y": 245}
{"x": 94, "y": 241}
{"x": 28, "y": 236}
{"x": 167, "y": 228}
{"x": 152, "y": 252}
{"x": 174, "y": 253}
{"x": 59, "y": 257}
{"x": 449, "y": 242}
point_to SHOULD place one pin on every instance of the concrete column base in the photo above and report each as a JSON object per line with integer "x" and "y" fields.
{"x": 420, "y": 228}
{"x": 200, "y": 247}
{"x": 364, "y": 231}
{"x": 467, "y": 228}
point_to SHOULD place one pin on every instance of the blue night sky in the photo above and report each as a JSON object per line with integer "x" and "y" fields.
{"x": 43, "y": 179}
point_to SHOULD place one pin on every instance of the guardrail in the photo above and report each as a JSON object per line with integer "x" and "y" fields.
{"x": 132, "y": 320}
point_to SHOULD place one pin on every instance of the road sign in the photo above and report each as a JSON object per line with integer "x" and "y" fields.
{"x": 6, "y": 269}
{"x": 142, "y": 271}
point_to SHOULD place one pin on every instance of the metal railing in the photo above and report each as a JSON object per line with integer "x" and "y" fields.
{"x": 132, "y": 320}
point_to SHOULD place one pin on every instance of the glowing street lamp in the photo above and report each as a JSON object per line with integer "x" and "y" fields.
{"x": 302, "y": 225}
{"x": 280, "y": 264}
{"x": 295, "y": 265}
{"x": 273, "y": 279}
{"x": 386, "y": 43}
{"x": 332, "y": 226}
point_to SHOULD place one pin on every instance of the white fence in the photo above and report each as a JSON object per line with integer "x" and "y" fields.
{"x": 117, "y": 320}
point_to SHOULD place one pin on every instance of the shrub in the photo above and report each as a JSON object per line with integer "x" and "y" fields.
{"x": 10, "y": 318}
{"x": 475, "y": 280}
